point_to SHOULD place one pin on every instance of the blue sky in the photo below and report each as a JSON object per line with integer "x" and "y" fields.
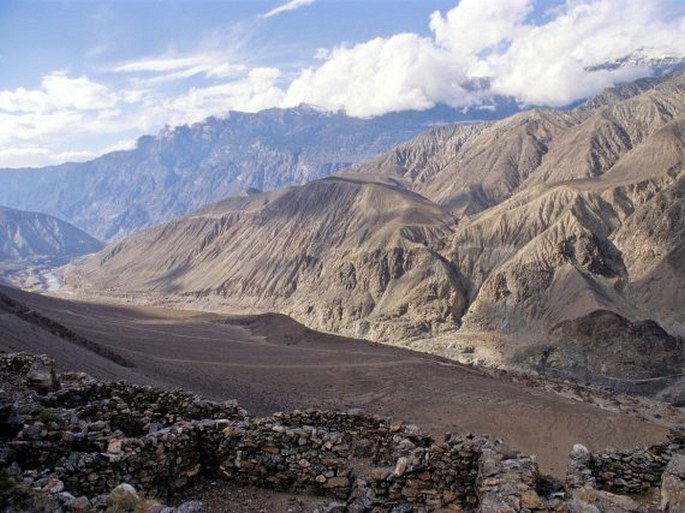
{"x": 83, "y": 77}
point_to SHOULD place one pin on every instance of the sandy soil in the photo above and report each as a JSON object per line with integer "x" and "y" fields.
{"x": 270, "y": 363}
{"x": 227, "y": 497}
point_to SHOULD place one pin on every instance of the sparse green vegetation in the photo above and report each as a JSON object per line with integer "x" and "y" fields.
{"x": 46, "y": 415}
{"x": 128, "y": 503}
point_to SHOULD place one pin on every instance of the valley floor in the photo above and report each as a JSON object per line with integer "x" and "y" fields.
{"x": 270, "y": 363}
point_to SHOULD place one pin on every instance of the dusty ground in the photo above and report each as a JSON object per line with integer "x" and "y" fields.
{"x": 270, "y": 363}
{"x": 223, "y": 497}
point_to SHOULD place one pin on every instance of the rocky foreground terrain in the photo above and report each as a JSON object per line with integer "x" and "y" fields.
{"x": 72, "y": 443}
{"x": 270, "y": 363}
{"x": 491, "y": 243}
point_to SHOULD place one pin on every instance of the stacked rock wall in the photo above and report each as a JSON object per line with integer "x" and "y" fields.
{"x": 435, "y": 476}
{"x": 160, "y": 462}
{"x": 95, "y": 435}
{"x": 92, "y": 436}
{"x": 267, "y": 453}
{"x": 368, "y": 436}
{"x": 624, "y": 472}
{"x": 135, "y": 409}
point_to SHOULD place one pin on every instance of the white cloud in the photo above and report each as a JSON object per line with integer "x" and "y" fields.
{"x": 402, "y": 72}
{"x": 159, "y": 70}
{"x": 475, "y": 50}
{"x": 254, "y": 92}
{"x": 64, "y": 109}
{"x": 160, "y": 64}
{"x": 493, "y": 42}
{"x": 474, "y": 26}
{"x": 123, "y": 145}
{"x": 289, "y": 6}
{"x": 57, "y": 92}
{"x": 557, "y": 63}
{"x": 41, "y": 156}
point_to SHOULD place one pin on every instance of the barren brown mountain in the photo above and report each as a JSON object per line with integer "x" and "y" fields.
{"x": 471, "y": 241}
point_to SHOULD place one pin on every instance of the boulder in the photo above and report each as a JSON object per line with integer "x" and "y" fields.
{"x": 42, "y": 377}
{"x": 578, "y": 473}
{"x": 53, "y": 486}
{"x": 673, "y": 485}
{"x": 192, "y": 507}
{"x": 335, "y": 507}
{"x": 123, "y": 497}
{"x": 589, "y": 500}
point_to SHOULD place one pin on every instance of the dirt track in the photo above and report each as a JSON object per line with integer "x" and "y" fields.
{"x": 270, "y": 363}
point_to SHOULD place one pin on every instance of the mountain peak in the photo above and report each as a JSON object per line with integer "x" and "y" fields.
{"x": 29, "y": 239}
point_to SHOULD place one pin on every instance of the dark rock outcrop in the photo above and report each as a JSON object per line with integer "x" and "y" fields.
{"x": 606, "y": 349}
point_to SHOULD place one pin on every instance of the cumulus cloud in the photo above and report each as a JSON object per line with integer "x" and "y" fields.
{"x": 41, "y": 156}
{"x": 402, "y": 72}
{"x": 565, "y": 59}
{"x": 57, "y": 92}
{"x": 289, "y": 6}
{"x": 494, "y": 44}
{"x": 474, "y": 51}
{"x": 255, "y": 92}
{"x": 474, "y": 26}
{"x": 63, "y": 109}
{"x": 59, "y": 108}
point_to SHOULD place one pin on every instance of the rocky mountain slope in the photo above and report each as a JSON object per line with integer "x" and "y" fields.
{"x": 342, "y": 253}
{"x": 614, "y": 352}
{"x": 186, "y": 167}
{"x": 470, "y": 168}
{"x": 496, "y": 232}
{"x": 25, "y": 235}
{"x": 30, "y": 240}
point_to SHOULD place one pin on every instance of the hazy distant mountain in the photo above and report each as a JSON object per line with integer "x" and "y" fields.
{"x": 187, "y": 167}
{"x": 499, "y": 231}
{"x": 645, "y": 58}
{"x": 29, "y": 236}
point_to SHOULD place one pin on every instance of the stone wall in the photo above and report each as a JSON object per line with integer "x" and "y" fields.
{"x": 623, "y": 472}
{"x": 368, "y": 436}
{"x": 268, "y": 453}
{"x": 91, "y": 436}
{"x": 95, "y": 435}
{"x": 437, "y": 475}
{"x": 135, "y": 409}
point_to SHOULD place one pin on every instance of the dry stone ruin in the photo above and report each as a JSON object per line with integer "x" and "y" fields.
{"x": 70, "y": 440}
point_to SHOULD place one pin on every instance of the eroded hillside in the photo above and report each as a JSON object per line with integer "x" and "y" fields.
{"x": 497, "y": 231}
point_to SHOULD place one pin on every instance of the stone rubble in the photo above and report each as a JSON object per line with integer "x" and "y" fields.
{"x": 633, "y": 471}
{"x": 673, "y": 484}
{"x": 84, "y": 443}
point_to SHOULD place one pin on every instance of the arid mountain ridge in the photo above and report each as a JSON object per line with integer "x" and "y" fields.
{"x": 30, "y": 241}
{"x": 186, "y": 167}
{"x": 471, "y": 241}
{"x": 25, "y": 235}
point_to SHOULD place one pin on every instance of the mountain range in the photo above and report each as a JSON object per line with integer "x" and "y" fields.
{"x": 479, "y": 241}
{"x": 186, "y": 167}
{"x": 30, "y": 241}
